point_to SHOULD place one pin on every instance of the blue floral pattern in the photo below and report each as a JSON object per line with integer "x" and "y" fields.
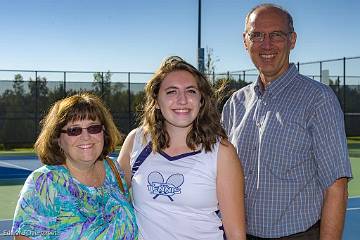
{"x": 54, "y": 205}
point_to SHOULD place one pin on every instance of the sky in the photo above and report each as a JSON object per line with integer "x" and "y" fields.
{"x": 136, "y": 35}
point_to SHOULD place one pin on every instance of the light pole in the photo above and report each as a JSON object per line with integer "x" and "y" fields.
{"x": 200, "y": 53}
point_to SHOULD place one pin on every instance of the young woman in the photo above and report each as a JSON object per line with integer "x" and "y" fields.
{"x": 179, "y": 163}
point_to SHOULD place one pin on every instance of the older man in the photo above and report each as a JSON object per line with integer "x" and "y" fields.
{"x": 289, "y": 134}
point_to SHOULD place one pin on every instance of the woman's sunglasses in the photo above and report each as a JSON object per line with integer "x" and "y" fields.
{"x": 76, "y": 131}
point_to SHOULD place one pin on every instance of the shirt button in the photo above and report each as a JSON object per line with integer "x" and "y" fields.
{"x": 264, "y": 103}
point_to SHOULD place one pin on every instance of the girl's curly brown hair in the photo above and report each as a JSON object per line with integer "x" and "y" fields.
{"x": 206, "y": 129}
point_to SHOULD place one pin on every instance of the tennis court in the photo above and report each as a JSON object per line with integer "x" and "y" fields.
{"x": 14, "y": 169}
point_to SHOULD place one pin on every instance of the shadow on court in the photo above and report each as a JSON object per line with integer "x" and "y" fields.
{"x": 7, "y": 173}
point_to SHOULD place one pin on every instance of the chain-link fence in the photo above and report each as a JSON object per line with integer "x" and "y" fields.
{"x": 25, "y": 96}
{"x": 342, "y": 75}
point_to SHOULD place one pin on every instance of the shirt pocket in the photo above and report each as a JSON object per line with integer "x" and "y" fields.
{"x": 287, "y": 149}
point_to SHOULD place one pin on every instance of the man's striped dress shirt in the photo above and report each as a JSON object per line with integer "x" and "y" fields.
{"x": 291, "y": 141}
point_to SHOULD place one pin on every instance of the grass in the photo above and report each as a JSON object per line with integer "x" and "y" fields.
{"x": 356, "y": 139}
{"x": 18, "y": 152}
{"x": 354, "y": 152}
{"x": 9, "y": 196}
{"x": 354, "y": 149}
{"x": 354, "y": 184}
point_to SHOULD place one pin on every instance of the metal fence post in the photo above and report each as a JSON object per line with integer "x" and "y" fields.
{"x": 129, "y": 100}
{"x": 64, "y": 84}
{"x": 102, "y": 85}
{"x": 344, "y": 75}
{"x": 321, "y": 80}
{"x": 36, "y": 102}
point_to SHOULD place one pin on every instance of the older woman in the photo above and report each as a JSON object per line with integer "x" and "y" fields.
{"x": 78, "y": 193}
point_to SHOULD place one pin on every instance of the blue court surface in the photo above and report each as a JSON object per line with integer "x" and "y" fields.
{"x": 19, "y": 167}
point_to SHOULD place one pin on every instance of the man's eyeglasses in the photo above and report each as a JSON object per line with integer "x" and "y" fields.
{"x": 76, "y": 131}
{"x": 276, "y": 36}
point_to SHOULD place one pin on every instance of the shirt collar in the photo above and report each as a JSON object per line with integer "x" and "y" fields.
{"x": 277, "y": 85}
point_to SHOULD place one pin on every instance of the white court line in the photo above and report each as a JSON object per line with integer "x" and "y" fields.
{"x": 351, "y": 209}
{"x": 355, "y": 208}
{"x": 354, "y": 197}
{"x": 3, "y": 220}
{"x": 13, "y": 165}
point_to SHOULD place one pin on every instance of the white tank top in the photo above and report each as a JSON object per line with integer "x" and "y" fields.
{"x": 175, "y": 197}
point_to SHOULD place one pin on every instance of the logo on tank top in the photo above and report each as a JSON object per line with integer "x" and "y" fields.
{"x": 157, "y": 186}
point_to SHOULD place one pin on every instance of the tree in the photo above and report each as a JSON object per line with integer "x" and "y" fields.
{"x": 224, "y": 84}
{"x": 15, "y": 115}
{"x": 58, "y": 93}
{"x": 37, "y": 101}
{"x": 102, "y": 85}
{"x": 18, "y": 85}
{"x": 210, "y": 61}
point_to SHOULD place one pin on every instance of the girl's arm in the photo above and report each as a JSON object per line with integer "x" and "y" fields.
{"x": 230, "y": 191}
{"x": 124, "y": 156}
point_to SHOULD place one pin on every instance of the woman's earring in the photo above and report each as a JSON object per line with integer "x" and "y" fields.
{"x": 61, "y": 150}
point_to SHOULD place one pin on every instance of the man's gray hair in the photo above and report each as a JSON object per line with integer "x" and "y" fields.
{"x": 270, "y": 5}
